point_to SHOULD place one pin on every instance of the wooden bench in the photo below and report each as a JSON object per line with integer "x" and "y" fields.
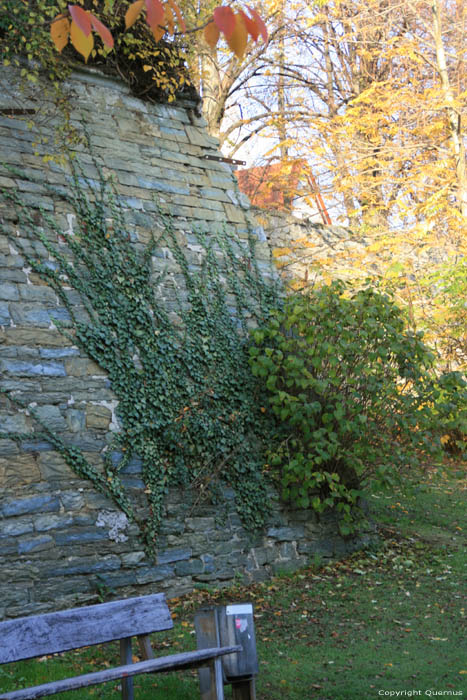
{"x": 39, "y": 635}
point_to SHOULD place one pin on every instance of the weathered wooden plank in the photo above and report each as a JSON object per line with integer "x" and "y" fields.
{"x": 207, "y": 636}
{"x": 190, "y": 659}
{"x": 244, "y": 690}
{"x": 26, "y": 637}
{"x": 145, "y": 646}
{"x": 126, "y": 657}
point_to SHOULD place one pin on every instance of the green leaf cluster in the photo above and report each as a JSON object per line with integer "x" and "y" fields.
{"x": 351, "y": 392}
{"x": 450, "y": 412}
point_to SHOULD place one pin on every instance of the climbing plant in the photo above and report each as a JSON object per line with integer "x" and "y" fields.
{"x": 187, "y": 399}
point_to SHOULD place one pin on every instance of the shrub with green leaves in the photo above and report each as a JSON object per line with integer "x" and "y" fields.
{"x": 350, "y": 389}
{"x": 450, "y": 412}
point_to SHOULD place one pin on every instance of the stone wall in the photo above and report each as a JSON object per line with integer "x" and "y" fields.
{"x": 306, "y": 251}
{"x": 61, "y": 542}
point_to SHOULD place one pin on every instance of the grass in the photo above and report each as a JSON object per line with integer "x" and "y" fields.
{"x": 383, "y": 621}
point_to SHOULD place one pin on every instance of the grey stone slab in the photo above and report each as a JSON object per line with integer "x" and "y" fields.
{"x": 189, "y": 568}
{"x": 154, "y": 573}
{"x": 286, "y": 533}
{"x": 13, "y": 528}
{"x": 80, "y": 537}
{"x": 33, "y": 369}
{"x": 43, "y": 523}
{"x": 4, "y": 314}
{"x": 34, "y": 504}
{"x": 173, "y": 555}
{"x": 52, "y": 417}
{"x": 83, "y": 565}
{"x": 56, "y": 353}
{"x": 9, "y": 292}
{"x": 37, "y": 544}
{"x": 13, "y": 424}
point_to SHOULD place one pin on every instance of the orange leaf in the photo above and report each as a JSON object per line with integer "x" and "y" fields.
{"x": 180, "y": 20}
{"x": 133, "y": 13}
{"x": 81, "y": 18}
{"x": 60, "y": 31}
{"x": 211, "y": 35}
{"x": 169, "y": 19}
{"x": 82, "y": 43}
{"x": 252, "y": 27}
{"x": 259, "y": 23}
{"x": 224, "y": 19}
{"x": 238, "y": 40}
{"x": 158, "y": 32}
{"x": 154, "y": 14}
{"x": 103, "y": 32}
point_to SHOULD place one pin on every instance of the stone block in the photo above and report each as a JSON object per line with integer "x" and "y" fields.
{"x": 8, "y": 447}
{"x": 83, "y": 565}
{"x": 36, "y": 544}
{"x": 98, "y": 417}
{"x": 58, "y": 353}
{"x": 52, "y": 417}
{"x": 189, "y": 568}
{"x": 75, "y": 420}
{"x": 14, "y": 595}
{"x": 16, "y": 423}
{"x": 33, "y": 369}
{"x": 286, "y": 533}
{"x": 118, "y": 579}
{"x": 19, "y": 471}
{"x": 133, "y": 558}
{"x": 72, "y": 500}
{"x": 81, "y": 536}
{"x": 30, "y": 314}
{"x": 9, "y": 292}
{"x": 53, "y": 467}
{"x": 16, "y": 527}
{"x": 154, "y": 573}
{"x": 34, "y": 504}
{"x": 173, "y": 555}
{"x": 29, "y": 292}
{"x": 43, "y": 523}
{"x": 200, "y": 524}
{"x": 4, "y": 314}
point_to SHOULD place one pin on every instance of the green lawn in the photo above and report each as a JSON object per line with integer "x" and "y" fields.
{"x": 383, "y": 621}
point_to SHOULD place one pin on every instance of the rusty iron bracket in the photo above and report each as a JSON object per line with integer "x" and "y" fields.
{"x": 221, "y": 159}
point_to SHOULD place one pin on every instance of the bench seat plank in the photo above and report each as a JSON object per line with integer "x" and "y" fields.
{"x": 40, "y": 635}
{"x": 185, "y": 660}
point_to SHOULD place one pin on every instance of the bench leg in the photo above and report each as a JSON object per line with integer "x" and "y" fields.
{"x": 126, "y": 657}
{"x": 212, "y": 682}
{"x": 244, "y": 690}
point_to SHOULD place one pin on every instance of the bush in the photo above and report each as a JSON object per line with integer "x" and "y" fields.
{"x": 450, "y": 412}
{"x": 350, "y": 389}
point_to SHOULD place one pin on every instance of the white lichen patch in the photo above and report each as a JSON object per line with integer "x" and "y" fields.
{"x": 116, "y": 523}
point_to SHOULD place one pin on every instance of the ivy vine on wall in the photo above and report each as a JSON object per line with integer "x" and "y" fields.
{"x": 188, "y": 403}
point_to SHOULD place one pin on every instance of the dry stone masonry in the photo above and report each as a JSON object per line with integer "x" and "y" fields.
{"x": 61, "y": 542}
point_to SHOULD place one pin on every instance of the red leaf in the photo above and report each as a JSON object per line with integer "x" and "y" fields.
{"x": 81, "y": 18}
{"x": 252, "y": 27}
{"x": 103, "y": 32}
{"x": 154, "y": 14}
{"x": 224, "y": 19}
{"x": 259, "y": 23}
